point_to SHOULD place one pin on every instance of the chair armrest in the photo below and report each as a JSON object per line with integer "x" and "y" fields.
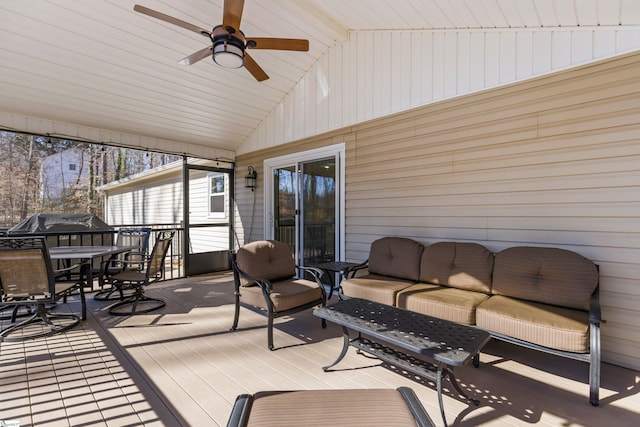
{"x": 417, "y": 410}
{"x": 59, "y": 273}
{"x": 140, "y": 254}
{"x": 145, "y": 259}
{"x": 66, "y": 270}
{"x": 263, "y": 283}
{"x": 315, "y": 272}
{"x": 241, "y": 410}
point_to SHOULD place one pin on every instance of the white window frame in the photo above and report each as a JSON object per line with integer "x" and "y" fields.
{"x": 211, "y": 192}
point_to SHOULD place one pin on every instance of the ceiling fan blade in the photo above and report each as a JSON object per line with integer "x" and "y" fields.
{"x": 232, "y": 13}
{"x": 170, "y": 19}
{"x": 278, "y": 44}
{"x": 198, "y": 56}
{"x": 254, "y": 68}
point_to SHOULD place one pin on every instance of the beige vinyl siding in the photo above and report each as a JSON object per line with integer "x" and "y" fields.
{"x": 210, "y": 238}
{"x": 149, "y": 202}
{"x": 377, "y": 73}
{"x": 554, "y": 161}
{"x": 157, "y": 200}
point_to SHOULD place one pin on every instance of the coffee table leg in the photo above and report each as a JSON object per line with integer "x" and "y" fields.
{"x": 461, "y": 392}
{"x": 439, "y": 389}
{"x": 345, "y": 347}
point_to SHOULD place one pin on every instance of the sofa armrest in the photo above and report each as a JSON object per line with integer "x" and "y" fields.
{"x": 595, "y": 318}
{"x": 351, "y": 272}
{"x": 595, "y": 312}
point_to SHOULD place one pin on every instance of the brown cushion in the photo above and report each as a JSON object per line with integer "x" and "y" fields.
{"x": 459, "y": 265}
{"x": 547, "y": 325}
{"x": 396, "y": 257}
{"x": 286, "y": 294}
{"x": 547, "y": 275}
{"x": 265, "y": 259}
{"x": 336, "y": 408}
{"x": 372, "y": 287}
{"x": 451, "y": 304}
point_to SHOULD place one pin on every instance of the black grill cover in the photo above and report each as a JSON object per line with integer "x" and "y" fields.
{"x": 43, "y": 223}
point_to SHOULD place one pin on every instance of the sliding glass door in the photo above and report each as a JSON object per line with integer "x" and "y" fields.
{"x": 306, "y": 204}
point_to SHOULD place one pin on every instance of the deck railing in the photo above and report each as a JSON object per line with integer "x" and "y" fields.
{"x": 174, "y": 268}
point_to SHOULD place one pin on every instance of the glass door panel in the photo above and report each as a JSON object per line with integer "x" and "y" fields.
{"x": 318, "y": 209}
{"x": 285, "y": 205}
{"x": 305, "y": 195}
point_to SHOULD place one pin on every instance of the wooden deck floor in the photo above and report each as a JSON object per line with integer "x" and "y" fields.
{"x": 182, "y": 367}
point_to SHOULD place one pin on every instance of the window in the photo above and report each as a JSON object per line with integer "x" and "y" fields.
{"x": 217, "y": 195}
{"x": 72, "y": 166}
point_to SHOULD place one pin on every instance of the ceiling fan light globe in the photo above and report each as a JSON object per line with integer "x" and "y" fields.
{"x": 228, "y": 55}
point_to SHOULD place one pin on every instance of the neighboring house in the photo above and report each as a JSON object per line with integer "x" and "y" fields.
{"x": 62, "y": 171}
{"x": 155, "y": 197}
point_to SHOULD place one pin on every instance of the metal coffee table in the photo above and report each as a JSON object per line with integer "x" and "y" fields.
{"x": 381, "y": 326}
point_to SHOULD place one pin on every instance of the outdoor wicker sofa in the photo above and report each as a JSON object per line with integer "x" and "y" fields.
{"x": 541, "y": 298}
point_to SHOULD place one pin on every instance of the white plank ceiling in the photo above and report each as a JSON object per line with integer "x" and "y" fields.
{"x": 98, "y": 64}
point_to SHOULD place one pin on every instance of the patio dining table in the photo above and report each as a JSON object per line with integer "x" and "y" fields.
{"x": 86, "y": 254}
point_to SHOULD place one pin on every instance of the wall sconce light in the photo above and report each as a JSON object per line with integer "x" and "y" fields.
{"x": 251, "y": 178}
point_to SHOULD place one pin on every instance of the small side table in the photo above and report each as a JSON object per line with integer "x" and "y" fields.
{"x": 340, "y": 267}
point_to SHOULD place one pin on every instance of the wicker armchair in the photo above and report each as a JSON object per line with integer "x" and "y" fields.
{"x": 265, "y": 281}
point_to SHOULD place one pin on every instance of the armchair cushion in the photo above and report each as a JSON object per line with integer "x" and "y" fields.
{"x": 265, "y": 259}
{"x": 285, "y": 295}
{"x": 339, "y": 408}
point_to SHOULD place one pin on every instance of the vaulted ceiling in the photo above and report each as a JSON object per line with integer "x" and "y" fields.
{"x": 99, "y": 64}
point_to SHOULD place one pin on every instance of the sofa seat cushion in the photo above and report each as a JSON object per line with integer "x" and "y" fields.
{"x": 547, "y": 325}
{"x": 459, "y": 265}
{"x": 372, "y": 287}
{"x": 286, "y": 294}
{"x": 452, "y": 304}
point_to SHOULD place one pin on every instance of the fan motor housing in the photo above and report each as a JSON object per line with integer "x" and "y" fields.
{"x": 228, "y": 46}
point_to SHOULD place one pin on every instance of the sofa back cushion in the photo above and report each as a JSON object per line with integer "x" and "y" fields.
{"x": 465, "y": 266}
{"x": 396, "y": 257}
{"x": 265, "y": 259}
{"x": 547, "y": 275}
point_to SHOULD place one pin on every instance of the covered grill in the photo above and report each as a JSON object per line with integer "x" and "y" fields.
{"x": 59, "y": 223}
{"x": 66, "y": 229}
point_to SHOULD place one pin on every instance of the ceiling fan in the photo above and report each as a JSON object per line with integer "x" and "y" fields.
{"x": 228, "y": 42}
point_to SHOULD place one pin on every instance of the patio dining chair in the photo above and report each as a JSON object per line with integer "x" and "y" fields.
{"x": 135, "y": 280}
{"x": 117, "y": 263}
{"x": 265, "y": 281}
{"x": 29, "y": 283}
